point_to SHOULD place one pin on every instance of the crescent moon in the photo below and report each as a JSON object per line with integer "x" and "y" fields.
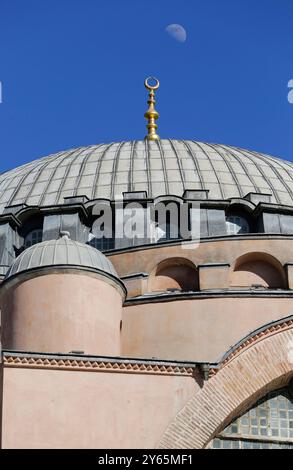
{"x": 149, "y": 86}
{"x": 177, "y": 32}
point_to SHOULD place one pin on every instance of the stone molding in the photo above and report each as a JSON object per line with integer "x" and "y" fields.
{"x": 207, "y": 294}
{"x": 96, "y": 364}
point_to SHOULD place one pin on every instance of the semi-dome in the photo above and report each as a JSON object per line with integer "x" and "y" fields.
{"x": 62, "y": 253}
{"x": 161, "y": 167}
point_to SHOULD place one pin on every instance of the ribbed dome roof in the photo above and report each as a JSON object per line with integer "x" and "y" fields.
{"x": 160, "y": 168}
{"x": 63, "y": 252}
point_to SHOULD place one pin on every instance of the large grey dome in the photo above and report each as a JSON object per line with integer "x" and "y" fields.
{"x": 160, "y": 168}
{"x": 63, "y": 252}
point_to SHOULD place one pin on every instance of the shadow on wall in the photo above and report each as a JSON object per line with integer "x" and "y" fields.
{"x": 258, "y": 270}
{"x": 174, "y": 274}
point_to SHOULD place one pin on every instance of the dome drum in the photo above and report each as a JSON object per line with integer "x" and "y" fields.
{"x": 78, "y": 218}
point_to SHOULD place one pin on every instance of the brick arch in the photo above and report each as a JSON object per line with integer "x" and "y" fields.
{"x": 261, "y": 363}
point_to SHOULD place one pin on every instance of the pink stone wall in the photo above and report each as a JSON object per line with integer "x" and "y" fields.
{"x": 72, "y": 409}
{"x": 215, "y": 251}
{"x": 214, "y": 277}
{"x": 62, "y": 313}
{"x": 195, "y": 329}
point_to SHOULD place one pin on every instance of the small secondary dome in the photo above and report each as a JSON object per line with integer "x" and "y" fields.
{"x": 62, "y": 253}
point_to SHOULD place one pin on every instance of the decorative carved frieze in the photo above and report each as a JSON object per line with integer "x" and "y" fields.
{"x": 85, "y": 364}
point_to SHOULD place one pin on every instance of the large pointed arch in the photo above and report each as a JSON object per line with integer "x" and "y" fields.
{"x": 262, "y": 362}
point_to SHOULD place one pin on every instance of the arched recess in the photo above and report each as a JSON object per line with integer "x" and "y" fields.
{"x": 174, "y": 274}
{"x": 263, "y": 363}
{"x": 258, "y": 270}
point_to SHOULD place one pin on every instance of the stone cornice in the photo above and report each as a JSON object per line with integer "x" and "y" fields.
{"x": 19, "y": 212}
{"x": 273, "y": 208}
{"x": 208, "y": 294}
{"x": 10, "y": 218}
{"x": 95, "y": 364}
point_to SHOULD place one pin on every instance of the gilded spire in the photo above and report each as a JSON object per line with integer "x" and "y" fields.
{"x": 151, "y": 114}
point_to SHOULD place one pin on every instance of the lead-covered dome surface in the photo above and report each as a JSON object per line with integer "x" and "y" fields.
{"x": 63, "y": 252}
{"x": 165, "y": 167}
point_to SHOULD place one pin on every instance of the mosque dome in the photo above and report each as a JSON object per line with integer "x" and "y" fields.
{"x": 162, "y": 167}
{"x": 63, "y": 253}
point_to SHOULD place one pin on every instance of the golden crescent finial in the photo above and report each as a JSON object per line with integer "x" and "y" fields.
{"x": 149, "y": 86}
{"x": 151, "y": 114}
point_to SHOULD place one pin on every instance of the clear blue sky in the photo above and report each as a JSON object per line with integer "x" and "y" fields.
{"x": 72, "y": 73}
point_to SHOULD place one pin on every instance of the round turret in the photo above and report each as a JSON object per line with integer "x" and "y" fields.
{"x": 62, "y": 296}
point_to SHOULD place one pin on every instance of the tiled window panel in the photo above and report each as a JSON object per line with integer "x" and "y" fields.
{"x": 171, "y": 163}
{"x": 284, "y": 198}
{"x": 209, "y": 177}
{"x": 156, "y": 164}
{"x": 229, "y": 190}
{"x": 122, "y": 177}
{"x": 268, "y": 425}
{"x": 139, "y": 164}
{"x": 106, "y": 166}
